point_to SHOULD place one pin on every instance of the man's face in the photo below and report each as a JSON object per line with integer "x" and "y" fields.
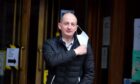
{"x": 68, "y": 25}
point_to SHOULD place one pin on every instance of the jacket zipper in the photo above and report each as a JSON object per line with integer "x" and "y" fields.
{"x": 53, "y": 79}
{"x": 79, "y": 79}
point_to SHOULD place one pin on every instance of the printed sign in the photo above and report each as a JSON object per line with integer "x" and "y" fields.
{"x": 12, "y": 56}
{"x": 136, "y": 52}
{"x": 106, "y": 30}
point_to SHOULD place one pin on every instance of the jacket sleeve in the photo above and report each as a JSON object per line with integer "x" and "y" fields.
{"x": 88, "y": 73}
{"x": 54, "y": 56}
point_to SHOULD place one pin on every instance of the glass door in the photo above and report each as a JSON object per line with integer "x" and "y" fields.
{"x": 40, "y": 39}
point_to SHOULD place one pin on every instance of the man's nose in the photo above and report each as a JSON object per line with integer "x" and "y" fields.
{"x": 70, "y": 25}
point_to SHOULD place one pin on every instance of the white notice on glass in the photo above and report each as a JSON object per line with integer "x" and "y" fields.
{"x": 12, "y": 55}
{"x": 136, "y": 34}
{"x": 106, "y": 30}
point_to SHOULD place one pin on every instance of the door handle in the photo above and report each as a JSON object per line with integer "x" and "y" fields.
{"x": 21, "y": 57}
{"x": 39, "y": 63}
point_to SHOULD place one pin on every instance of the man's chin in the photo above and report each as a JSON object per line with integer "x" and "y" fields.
{"x": 69, "y": 35}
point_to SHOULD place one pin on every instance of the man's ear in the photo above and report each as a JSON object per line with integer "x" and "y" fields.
{"x": 59, "y": 26}
{"x": 76, "y": 28}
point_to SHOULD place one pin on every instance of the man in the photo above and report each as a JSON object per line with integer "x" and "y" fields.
{"x": 68, "y": 61}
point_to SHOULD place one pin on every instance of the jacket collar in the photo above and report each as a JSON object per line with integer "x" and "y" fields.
{"x": 61, "y": 41}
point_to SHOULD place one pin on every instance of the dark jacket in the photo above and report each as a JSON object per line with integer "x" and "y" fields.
{"x": 64, "y": 66}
